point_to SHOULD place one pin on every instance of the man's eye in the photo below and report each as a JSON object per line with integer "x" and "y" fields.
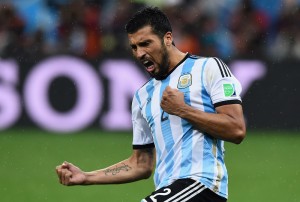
{"x": 145, "y": 44}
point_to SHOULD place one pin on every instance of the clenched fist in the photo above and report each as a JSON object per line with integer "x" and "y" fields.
{"x": 69, "y": 174}
{"x": 172, "y": 100}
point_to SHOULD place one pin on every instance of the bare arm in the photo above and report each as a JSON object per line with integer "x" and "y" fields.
{"x": 227, "y": 124}
{"x": 138, "y": 166}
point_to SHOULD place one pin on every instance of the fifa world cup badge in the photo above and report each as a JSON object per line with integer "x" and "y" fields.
{"x": 229, "y": 90}
{"x": 184, "y": 81}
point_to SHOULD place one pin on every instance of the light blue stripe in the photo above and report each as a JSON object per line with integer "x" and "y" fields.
{"x": 150, "y": 90}
{"x": 208, "y": 165}
{"x": 167, "y": 135}
{"x": 224, "y": 179}
{"x": 138, "y": 99}
{"x": 207, "y": 102}
{"x": 187, "y": 140}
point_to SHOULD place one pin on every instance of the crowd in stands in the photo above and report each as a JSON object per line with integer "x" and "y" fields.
{"x": 95, "y": 28}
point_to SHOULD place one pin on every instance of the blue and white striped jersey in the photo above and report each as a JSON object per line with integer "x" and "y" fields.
{"x": 181, "y": 150}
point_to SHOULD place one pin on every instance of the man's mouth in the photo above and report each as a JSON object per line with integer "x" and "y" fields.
{"x": 149, "y": 65}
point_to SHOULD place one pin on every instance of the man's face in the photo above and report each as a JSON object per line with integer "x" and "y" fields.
{"x": 151, "y": 51}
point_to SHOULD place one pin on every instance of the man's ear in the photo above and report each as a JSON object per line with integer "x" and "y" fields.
{"x": 168, "y": 38}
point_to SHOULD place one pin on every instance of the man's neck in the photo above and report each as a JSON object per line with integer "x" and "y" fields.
{"x": 176, "y": 56}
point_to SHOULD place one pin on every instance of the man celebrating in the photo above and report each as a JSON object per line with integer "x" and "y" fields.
{"x": 181, "y": 118}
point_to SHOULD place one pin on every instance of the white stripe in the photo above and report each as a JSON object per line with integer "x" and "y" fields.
{"x": 192, "y": 191}
{"x": 197, "y": 138}
{"x": 191, "y": 196}
{"x": 182, "y": 191}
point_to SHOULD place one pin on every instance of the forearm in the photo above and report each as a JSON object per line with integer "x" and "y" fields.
{"x": 138, "y": 166}
{"x": 219, "y": 125}
{"x": 122, "y": 172}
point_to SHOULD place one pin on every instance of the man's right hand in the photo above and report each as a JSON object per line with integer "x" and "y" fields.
{"x": 69, "y": 174}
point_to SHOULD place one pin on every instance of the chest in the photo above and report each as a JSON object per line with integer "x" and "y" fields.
{"x": 188, "y": 83}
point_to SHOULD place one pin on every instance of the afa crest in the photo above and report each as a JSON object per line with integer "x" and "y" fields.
{"x": 184, "y": 81}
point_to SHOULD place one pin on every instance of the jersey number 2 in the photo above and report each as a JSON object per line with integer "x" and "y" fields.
{"x": 166, "y": 192}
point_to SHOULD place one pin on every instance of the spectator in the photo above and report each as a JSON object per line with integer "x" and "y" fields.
{"x": 249, "y": 29}
{"x": 91, "y": 28}
{"x": 287, "y": 42}
{"x": 11, "y": 31}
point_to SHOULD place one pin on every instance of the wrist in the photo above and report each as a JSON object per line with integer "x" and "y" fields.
{"x": 88, "y": 178}
{"x": 182, "y": 111}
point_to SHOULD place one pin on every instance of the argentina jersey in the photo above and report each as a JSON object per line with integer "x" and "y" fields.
{"x": 183, "y": 151}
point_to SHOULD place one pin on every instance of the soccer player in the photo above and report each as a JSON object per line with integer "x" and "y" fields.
{"x": 181, "y": 118}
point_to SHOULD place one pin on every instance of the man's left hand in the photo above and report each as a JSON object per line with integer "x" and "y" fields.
{"x": 172, "y": 100}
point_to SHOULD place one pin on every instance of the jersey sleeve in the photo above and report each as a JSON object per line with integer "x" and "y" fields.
{"x": 221, "y": 84}
{"x": 142, "y": 137}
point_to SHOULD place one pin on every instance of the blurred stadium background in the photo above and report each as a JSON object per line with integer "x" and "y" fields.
{"x": 67, "y": 78}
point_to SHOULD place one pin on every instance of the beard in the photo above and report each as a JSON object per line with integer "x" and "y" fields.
{"x": 163, "y": 66}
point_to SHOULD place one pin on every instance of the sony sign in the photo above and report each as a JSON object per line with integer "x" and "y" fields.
{"x": 124, "y": 79}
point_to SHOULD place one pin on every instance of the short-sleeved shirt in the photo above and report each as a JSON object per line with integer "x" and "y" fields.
{"x": 182, "y": 151}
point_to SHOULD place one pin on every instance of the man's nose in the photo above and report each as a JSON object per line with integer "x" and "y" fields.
{"x": 140, "y": 53}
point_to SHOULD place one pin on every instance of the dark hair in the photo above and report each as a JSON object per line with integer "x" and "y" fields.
{"x": 149, "y": 16}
